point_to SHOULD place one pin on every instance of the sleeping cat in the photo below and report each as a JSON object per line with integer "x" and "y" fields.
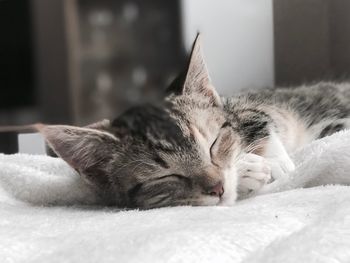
{"x": 197, "y": 148}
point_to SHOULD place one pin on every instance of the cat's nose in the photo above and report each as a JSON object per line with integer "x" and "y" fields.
{"x": 217, "y": 190}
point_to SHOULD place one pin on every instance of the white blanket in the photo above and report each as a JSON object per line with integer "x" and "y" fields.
{"x": 47, "y": 214}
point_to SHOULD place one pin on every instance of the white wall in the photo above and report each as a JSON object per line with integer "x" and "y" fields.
{"x": 31, "y": 143}
{"x": 237, "y": 40}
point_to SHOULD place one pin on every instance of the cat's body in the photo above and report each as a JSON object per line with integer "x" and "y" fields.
{"x": 197, "y": 148}
{"x": 300, "y": 114}
{"x": 279, "y": 121}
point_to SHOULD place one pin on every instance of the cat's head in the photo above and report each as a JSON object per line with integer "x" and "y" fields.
{"x": 176, "y": 153}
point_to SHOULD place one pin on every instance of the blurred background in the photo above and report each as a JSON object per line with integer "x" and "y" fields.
{"x": 78, "y": 61}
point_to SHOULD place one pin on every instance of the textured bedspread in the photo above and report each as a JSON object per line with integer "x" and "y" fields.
{"x": 47, "y": 214}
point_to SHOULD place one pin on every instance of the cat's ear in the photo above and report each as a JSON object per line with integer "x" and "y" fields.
{"x": 86, "y": 150}
{"x": 100, "y": 125}
{"x": 197, "y": 80}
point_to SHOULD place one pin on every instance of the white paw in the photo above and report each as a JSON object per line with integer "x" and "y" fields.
{"x": 254, "y": 172}
{"x": 281, "y": 167}
{"x": 280, "y": 170}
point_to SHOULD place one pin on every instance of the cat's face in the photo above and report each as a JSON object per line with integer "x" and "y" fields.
{"x": 177, "y": 153}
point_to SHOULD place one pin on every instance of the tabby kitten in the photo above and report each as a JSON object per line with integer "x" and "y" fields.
{"x": 197, "y": 148}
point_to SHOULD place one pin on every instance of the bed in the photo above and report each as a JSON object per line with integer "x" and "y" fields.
{"x": 48, "y": 214}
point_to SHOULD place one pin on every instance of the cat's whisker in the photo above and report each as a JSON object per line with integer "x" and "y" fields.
{"x": 255, "y": 145}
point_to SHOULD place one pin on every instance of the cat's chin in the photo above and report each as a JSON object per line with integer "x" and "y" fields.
{"x": 210, "y": 201}
{"x": 227, "y": 201}
{"x": 230, "y": 195}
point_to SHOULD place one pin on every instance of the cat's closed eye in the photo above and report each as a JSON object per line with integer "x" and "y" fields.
{"x": 156, "y": 181}
{"x": 155, "y": 192}
{"x": 222, "y": 147}
{"x": 174, "y": 176}
{"x": 212, "y": 149}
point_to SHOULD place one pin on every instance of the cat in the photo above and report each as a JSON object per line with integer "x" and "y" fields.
{"x": 197, "y": 148}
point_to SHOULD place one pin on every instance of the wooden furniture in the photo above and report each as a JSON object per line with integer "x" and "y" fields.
{"x": 93, "y": 59}
{"x": 312, "y": 41}
{"x": 97, "y": 58}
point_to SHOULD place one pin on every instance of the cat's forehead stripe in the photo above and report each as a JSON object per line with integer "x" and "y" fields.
{"x": 152, "y": 125}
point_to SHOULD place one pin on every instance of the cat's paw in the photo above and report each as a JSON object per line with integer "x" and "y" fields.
{"x": 254, "y": 172}
{"x": 281, "y": 167}
{"x": 280, "y": 171}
